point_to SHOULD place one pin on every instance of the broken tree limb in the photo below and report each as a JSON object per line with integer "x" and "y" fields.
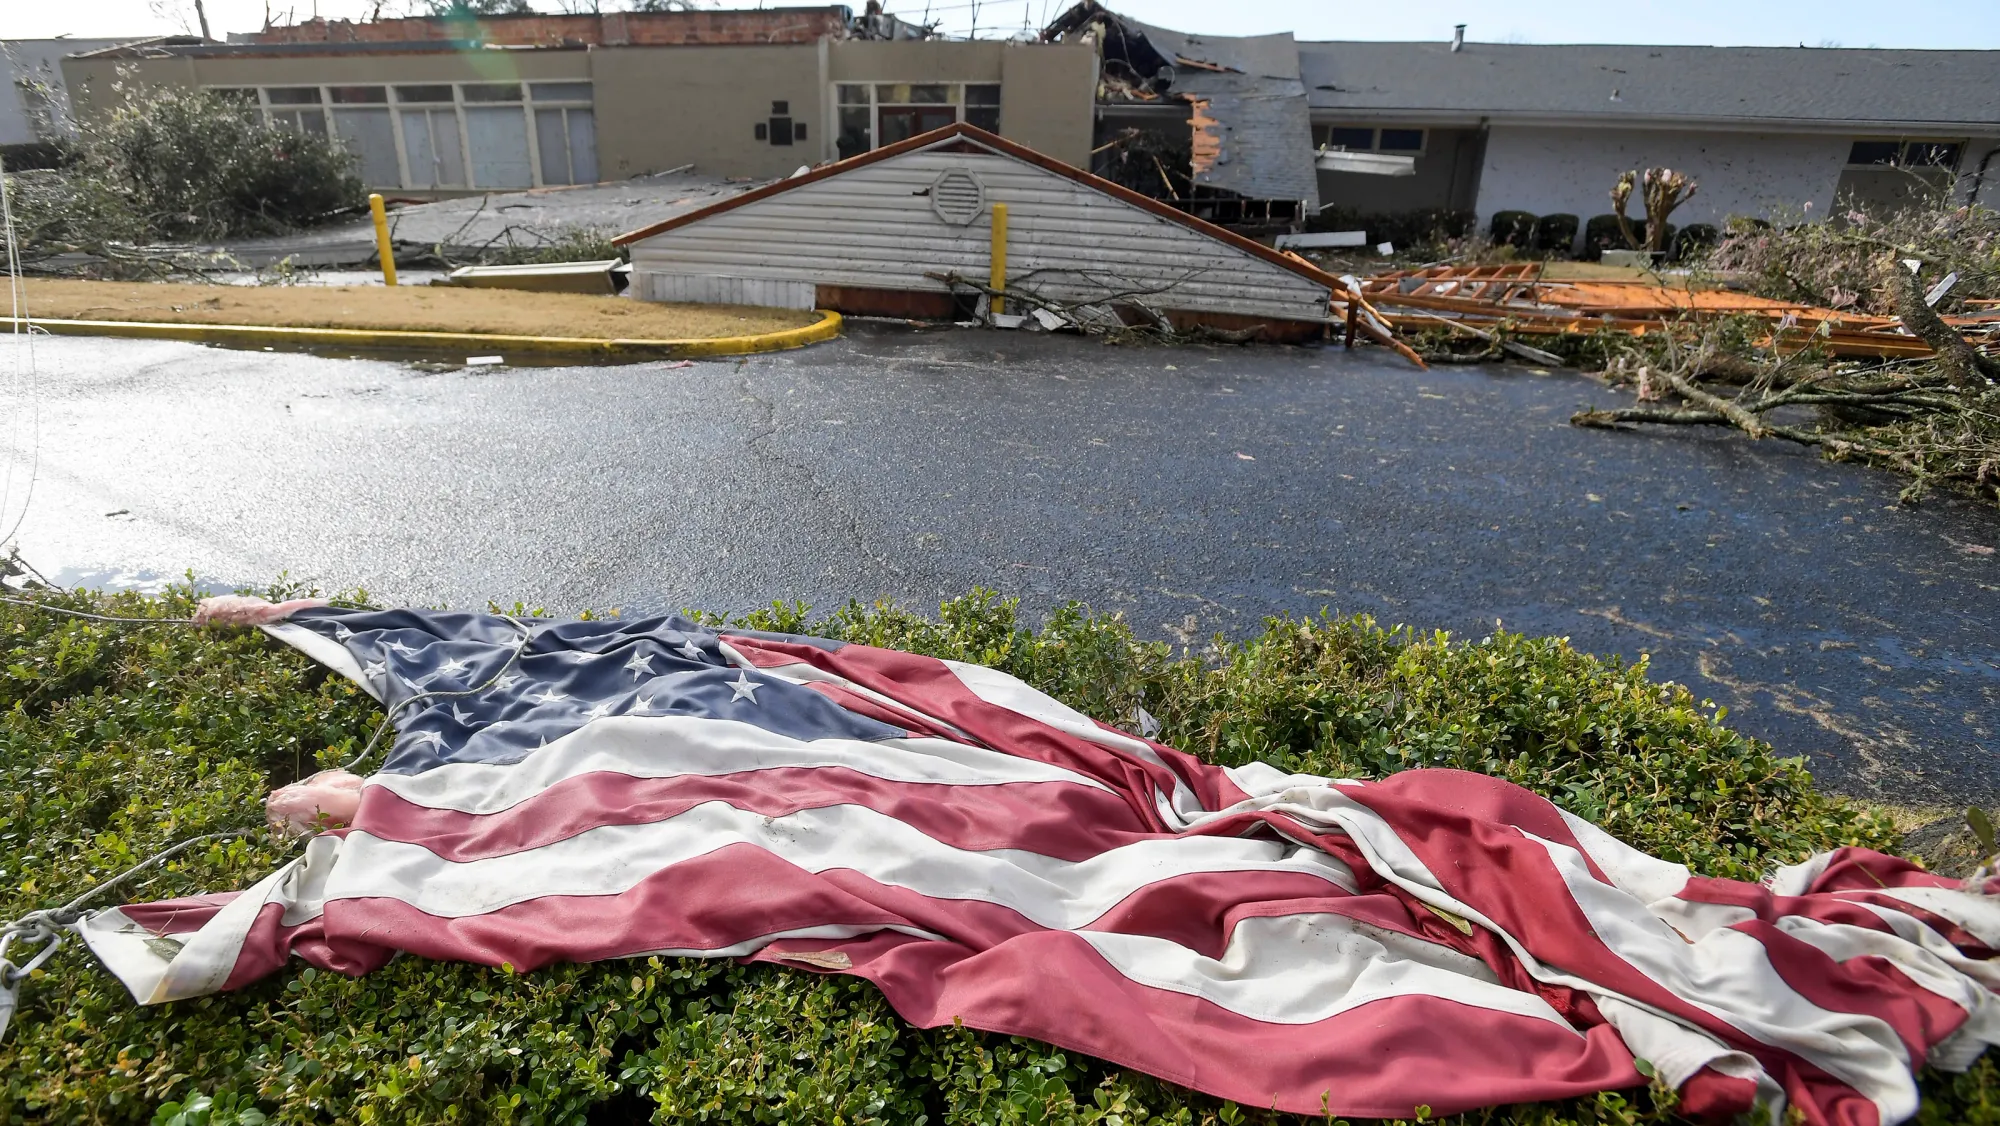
{"x": 1966, "y": 366}
{"x": 1375, "y": 326}
{"x": 1532, "y": 355}
{"x": 1615, "y": 418}
{"x": 1742, "y": 419}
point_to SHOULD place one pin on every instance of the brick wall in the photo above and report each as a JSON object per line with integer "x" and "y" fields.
{"x": 652, "y": 29}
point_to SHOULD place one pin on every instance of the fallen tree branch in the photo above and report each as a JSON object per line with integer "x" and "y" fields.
{"x": 1966, "y": 366}
{"x": 1742, "y": 419}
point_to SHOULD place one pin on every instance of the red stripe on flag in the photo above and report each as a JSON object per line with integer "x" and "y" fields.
{"x": 1053, "y": 986}
{"x": 1058, "y": 819}
{"x": 929, "y": 685}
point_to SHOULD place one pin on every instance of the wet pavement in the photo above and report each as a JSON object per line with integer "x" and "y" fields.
{"x": 1194, "y": 490}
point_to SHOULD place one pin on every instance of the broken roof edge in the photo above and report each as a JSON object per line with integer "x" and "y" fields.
{"x": 1324, "y": 114}
{"x": 999, "y": 146}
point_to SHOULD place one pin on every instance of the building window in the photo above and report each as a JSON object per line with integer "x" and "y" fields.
{"x": 565, "y": 132}
{"x": 445, "y": 135}
{"x": 870, "y": 115}
{"x": 361, "y": 121}
{"x": 1400, "y": 140}
{"x": 1367, "y": 138}
{"x": 855, "y": 122}
{"x": 1349, "y": 137}
{"x": 297, "y": 108}
{"x": 982, "y": 105}
{"x": 1903, "y": 154}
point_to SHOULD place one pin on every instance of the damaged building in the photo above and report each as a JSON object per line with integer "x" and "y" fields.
{"x": 1263, "y": 134}
{"x": 1219, "y": 126}
{"x": 1262, "y": 131}
{"x": 440, "y": 107}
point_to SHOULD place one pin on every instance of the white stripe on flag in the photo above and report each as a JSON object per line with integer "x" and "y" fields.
{"x": 669, "y": 746}
{"x": 607, "y": 860}
{"x": 1298, "y": 969}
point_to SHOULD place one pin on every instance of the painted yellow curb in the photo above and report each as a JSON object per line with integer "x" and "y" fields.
{"x": 469, "y": 343}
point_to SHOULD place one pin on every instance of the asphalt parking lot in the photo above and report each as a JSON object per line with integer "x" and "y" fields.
{"x": 1194, "y": 490}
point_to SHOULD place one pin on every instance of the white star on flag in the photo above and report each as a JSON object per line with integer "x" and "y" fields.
{"x": 640, "y": 665}
{"x": 422, "y": 738}
{"x": 643, "y": 704}
{"x": 374, "y": 670}
{"x": 461, "y": 715}
{"x": 599, "y": 710}
{"x": 401, "y": 649}
{"x": 548, "y": 696}
{"x": 452, "y": 667}
{"x": 691, "y": 651}
{"x": 341, "y": 633}
{"x": 743, "y": 687}
{"x": 506, "y": 680}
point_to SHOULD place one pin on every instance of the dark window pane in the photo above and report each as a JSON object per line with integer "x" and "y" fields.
{"x": 761, "y": 131}
{"x": 1349, "y": 137}
{"x": 1931, "y": 154}
{"x": 982, "y": 94}
{"x": 781, "y": 130}
{"x": 1875, "y": 152}
{"x": 235, "y": 95}
{"x": 293, "y": 95}
{"x": 798, "y": 131}
{"x": 1402, "y": 140}
{"x": 360, "y": 95}
{"x": 781, "y": 109}
{"x": 900, "y": 123}
{"x": 493, "y": 92}
{"x": 853, "y": 95}
{"x": 985, "y": 117}
{"x": 854, "y": 134}
{"x": 907, "y": 94}
{"x": 560, "y": 91}
{"x": 423, "y": 93}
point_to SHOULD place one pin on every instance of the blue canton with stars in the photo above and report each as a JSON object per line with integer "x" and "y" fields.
{"x": 570, "y": 674}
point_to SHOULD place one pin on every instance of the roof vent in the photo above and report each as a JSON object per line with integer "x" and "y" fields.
{"x": 958, "y": 197}
{"x": 1458, "y": 37}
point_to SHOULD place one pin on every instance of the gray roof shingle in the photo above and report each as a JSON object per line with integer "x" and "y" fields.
{"x": 1777, "y": 84}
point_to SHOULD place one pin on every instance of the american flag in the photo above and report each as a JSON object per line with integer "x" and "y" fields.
{"x": 985, "y": 854}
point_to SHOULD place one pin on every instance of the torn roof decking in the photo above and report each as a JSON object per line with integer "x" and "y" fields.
{"x": 1250, "y": 119}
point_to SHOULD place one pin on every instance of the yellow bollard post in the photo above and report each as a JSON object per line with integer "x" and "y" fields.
{"x": 383, "y": 250}
{"x": 999, "y": 277}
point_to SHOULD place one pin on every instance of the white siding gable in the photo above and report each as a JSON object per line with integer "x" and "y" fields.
{"x": 875, "y": 226}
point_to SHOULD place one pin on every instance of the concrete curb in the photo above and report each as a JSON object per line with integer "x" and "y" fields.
{"x": 464, "y": 343}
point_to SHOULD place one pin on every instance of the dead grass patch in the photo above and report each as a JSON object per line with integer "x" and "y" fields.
{"x": 405, "y": 308}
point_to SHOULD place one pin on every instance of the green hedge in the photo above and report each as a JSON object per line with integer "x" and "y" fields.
{"x": 115, "y": 741}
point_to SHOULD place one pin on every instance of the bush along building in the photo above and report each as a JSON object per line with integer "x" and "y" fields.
{"x": 445, "y": 107}
{"x": 1403, "y": 135}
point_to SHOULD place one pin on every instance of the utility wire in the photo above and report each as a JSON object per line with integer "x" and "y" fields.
{"x": 24, "y": 329}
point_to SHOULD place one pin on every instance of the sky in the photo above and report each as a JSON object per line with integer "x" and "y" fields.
{"x": 1789, "y": 23}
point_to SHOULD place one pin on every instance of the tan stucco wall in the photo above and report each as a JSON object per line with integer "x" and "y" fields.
{"x": 660, "y": 107}
{"x": 1048, "y": 98}
{"x": 920, "y": 60}
{"x": 1047, "y": 92}
{"x": 90, "y": 81}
